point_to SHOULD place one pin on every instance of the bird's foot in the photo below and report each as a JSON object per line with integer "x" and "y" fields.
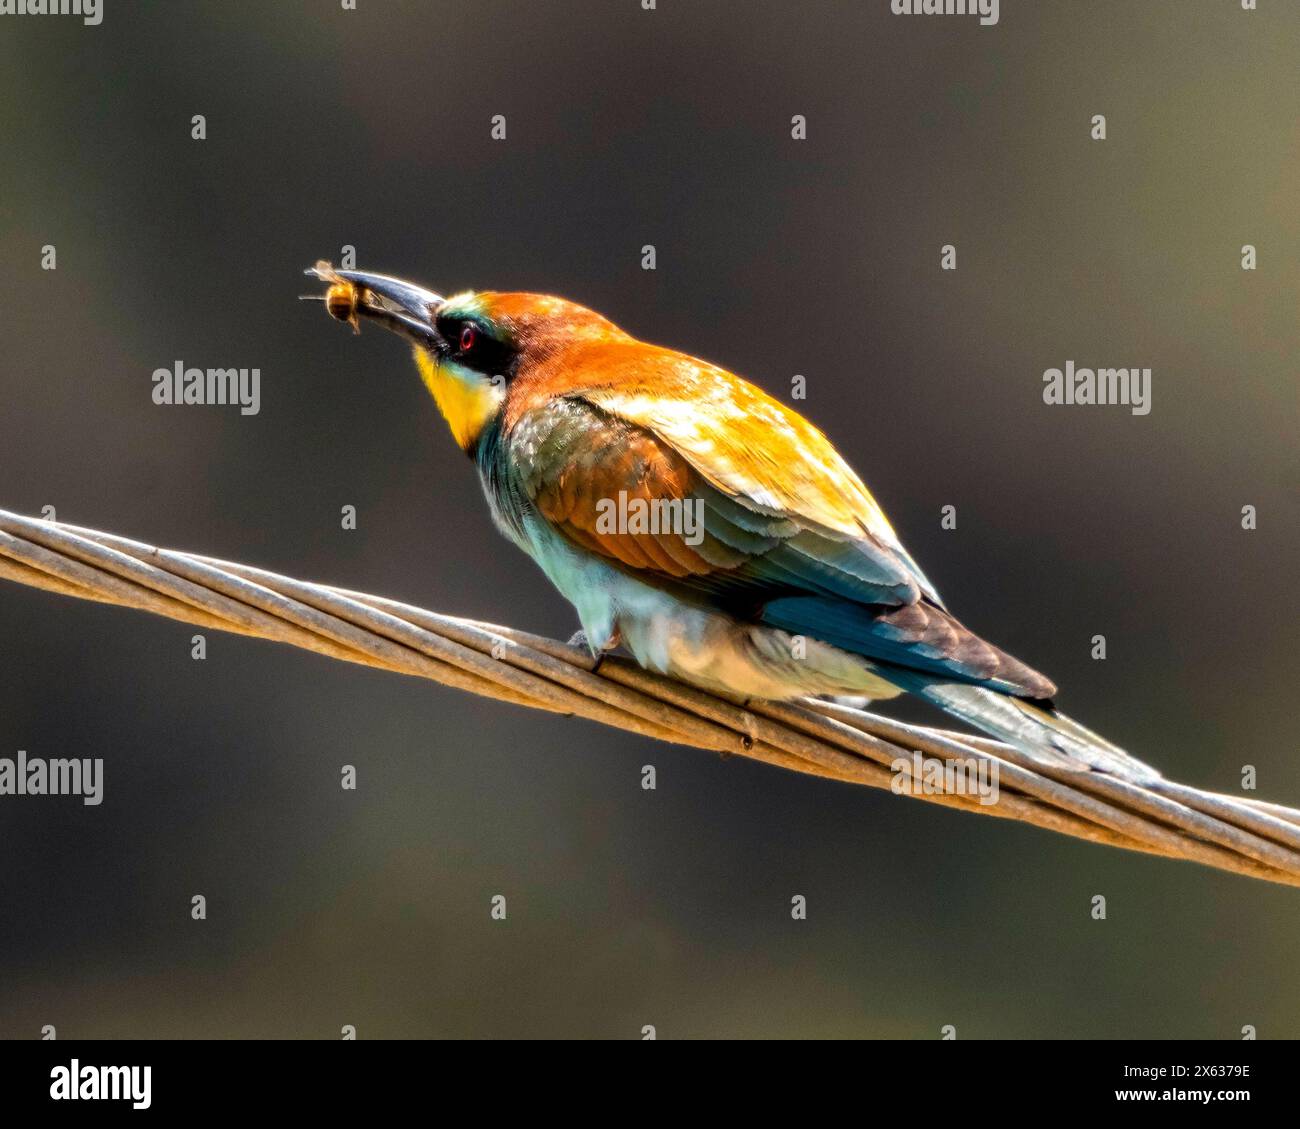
{"x": 579, "y": 639}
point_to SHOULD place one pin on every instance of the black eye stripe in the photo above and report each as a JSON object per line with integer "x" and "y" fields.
{"x": 468, "y": 342}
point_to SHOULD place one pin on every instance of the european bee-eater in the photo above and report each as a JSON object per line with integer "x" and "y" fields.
{"x": 791, "y": 582}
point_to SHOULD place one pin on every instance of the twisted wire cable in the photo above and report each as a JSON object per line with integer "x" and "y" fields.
{"x": 827, "y": 739}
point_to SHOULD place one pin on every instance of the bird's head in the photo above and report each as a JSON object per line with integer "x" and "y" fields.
{"x": 471, "y": 348}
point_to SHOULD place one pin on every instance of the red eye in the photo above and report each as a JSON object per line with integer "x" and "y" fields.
{"x": 468, "y": 338}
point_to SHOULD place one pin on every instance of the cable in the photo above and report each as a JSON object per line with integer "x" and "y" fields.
{"x": 822, "y": 738}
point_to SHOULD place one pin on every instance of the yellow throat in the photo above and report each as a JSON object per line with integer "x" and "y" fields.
{"x": 467, "y": 399}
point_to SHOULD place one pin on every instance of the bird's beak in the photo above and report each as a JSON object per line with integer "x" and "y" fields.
{"x": 394, "y": 303}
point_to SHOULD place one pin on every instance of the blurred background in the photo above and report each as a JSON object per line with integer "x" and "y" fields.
{"x": 776, "y": 257}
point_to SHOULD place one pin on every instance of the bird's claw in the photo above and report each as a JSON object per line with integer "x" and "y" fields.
{"x": 580, "y": 639}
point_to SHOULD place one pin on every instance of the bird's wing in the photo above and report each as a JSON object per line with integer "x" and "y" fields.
{"x": 762, "y": 456}
{"x": 743, "y": 538}
{"x": 620, "y": 489}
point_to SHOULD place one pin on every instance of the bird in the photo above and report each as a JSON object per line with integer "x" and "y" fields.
{"x": 698, "y": 522}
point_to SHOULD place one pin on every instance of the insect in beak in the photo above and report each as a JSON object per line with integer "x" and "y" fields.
{"x": 404, "y": 308}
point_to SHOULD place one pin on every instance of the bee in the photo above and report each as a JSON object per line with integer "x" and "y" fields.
{"x": 342, "y": 298}
{"x": 341, "y": 302}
